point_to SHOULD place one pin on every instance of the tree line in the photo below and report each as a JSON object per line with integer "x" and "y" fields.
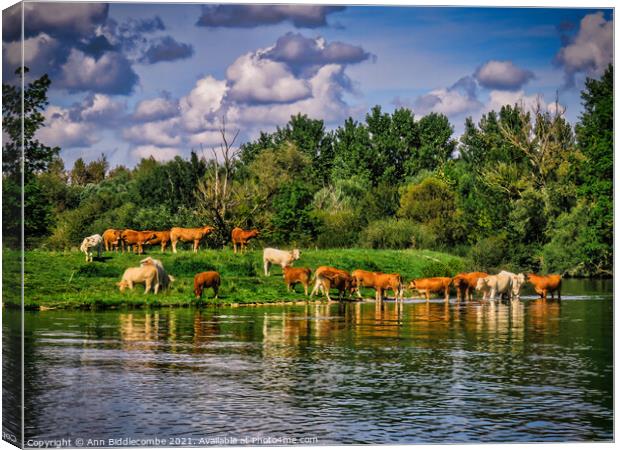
{"x": 519, "y": 189}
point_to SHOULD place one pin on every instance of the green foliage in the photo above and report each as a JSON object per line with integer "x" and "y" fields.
{"x": 490, "y": 253}
{"x": 396, "y": 233}
{"x": 292, "y": 219}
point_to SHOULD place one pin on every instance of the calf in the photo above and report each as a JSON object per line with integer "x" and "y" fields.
{"x": 88, "y": 244}
{"x": 334, "y": 280}
{"x": 241, "y": 237}
{"x": 427, "y": 285}
{"x": 146, "y": 275}
{"x": 465, "y": 284}
{"x": 546, "y": 283}
{"x": 111, "y": 239}
{"x": 283, "y": 258}
{"x": 205, "y": 280}
{"x": 292, "y": 276}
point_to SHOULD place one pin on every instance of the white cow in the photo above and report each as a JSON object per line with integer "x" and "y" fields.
{"x": 503, "y": 283}
{"x": 146, "y": 275}
{"x": 164, "y": 279}
{"x": 283, "y": 258}
{"x": 517, "y": 282}
{"x": 87, "y": 245}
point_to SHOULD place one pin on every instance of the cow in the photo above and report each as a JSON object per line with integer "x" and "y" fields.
{"x": 162, "y": 238}
{"x": 164, "y": 279}
{"x": 362, "y": 278}
{"x": 111, "y": 239}
{"x": 194, "y": 235}
{"x": 88, "y": 244}
{"x": 205, "y": 280}
{"x": 546, "y": 283}
{"x": 283, "y": 258}
{"x": 146, "y": 275}
{"x": 517, "y": 282}
{"x": 427, "y": 285}
{"x": 317, "y": 284}
{"x": 241, "y": 237}
{"x": 293, "y": 275}
{"x": 385, "y": 281}
{"x": 135, "y": 238}
{"x": 329, "y": 279}
{"x": 465, "y": 284}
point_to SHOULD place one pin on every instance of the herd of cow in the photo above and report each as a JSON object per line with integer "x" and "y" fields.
{"x": 152, "y": 274}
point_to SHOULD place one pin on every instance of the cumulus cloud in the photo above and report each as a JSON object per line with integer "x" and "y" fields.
{"x": 39, "y": 55}
{"x": 250, "y": 16}
{"x": 161, "y": 132}
{"x": 257, "y": 80}
{"x": 458, "y": 99}
{"x": 301, "y": 53}
{"x": 502, "y": 75}
{"x": 198, "y": 108}
{"x": 110, "y": 74}
{"x": 590, "y": 51}
{"x": 156, "y": 109}
{"x": 102, "y": 109}
{"x": 497, "y": 99}
{"x": 64, "y": 131}
{"x": 166, "y": 49}
{"x": 62, "y": 20}
{"x": 158, "y": 153}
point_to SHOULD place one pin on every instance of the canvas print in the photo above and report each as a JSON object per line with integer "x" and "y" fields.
{"x": 297, "y": 224}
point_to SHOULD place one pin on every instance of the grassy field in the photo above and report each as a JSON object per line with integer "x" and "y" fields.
{"x": 65, "y": 280}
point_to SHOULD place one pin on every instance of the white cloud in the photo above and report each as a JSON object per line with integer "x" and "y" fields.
{"x": 258, "y": 80}
{"x": 159, "y": 153}
{"x": 446, "y": 101}
{"x": 497, "y": 99}
{"x": 198, "y": 108}
{"x": 61, "y": 130}
{"x": 591, "y": 50}
{"x": 101, "y": 108}
{"x": 161, "y": 132}
{"x": 502, "y": 75}
{"x": 156, "y": 109}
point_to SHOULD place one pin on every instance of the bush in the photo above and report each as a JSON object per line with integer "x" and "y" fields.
{"x": 337, "y": 228}
{"x": 490, "y": 253}
{"x": 396, "y": 234}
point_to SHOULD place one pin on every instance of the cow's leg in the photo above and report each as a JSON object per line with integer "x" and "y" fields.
{"x": 306, "y": 288}
{"x": 216, "y": 289}
{"x": 156, "y": 287}
{"x": 174, "y": 246}
{"x": 196, "y": 245}
{"x": 234, "y": 247}
{"x": 266, "y": 267}
{"x": 446, "y": 293}
{"x": 130, "y": 285}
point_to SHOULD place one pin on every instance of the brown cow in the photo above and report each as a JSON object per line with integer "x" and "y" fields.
{"x": 136, "y": 238}
{"x": 386, "y": 281}
{"x": 205, "y": 280}
{"x": 194, "y": 235}
{"x": 319, "y": 271}
{"x": 362, "y": 278}
{"x": 546, "y": 283}
{"x": 241, "y": 237}
{"x": 162, "y": 238}
{"x": 293, "y": 275}
{"x": 330, "y": 279}
{"x": 427, "y": 285}
{"x": 111, "y": 239}
{"x": 465, "y": 284}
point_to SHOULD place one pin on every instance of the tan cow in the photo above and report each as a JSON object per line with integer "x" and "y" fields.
{"x": 428, "y": 285}
{"x": 136, "y": 239}
{"x": 546, "y": 283}
{"x": 194, "y": 235}
{"x": 162, "y": 238}
{"x": 164, "y": 279}
{"x": 111, "y": 239}
{"x": 329, "y": 279}
{"x": 317, "y": 284}
{"x": 362, "y": 278}
{"x": 293, "y": 275}
{"x": 205, "y": 280}
{"x": 241, "y": 237}
{"x": 385, "y": 281}
{"x": 465, "y": 284}
{"x": 146, "y": 275}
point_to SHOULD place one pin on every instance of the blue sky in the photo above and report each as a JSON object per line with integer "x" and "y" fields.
{"x": 136, "y": 80}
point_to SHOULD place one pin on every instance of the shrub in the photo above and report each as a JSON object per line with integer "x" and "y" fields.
{"x": 396, "y": 233}
{"x": 490, "y": 253}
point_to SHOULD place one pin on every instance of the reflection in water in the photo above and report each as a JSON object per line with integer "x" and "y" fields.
{"x": 345, "y": 373}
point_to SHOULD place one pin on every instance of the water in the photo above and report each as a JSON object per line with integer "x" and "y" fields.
{"x": 351, "y": 373}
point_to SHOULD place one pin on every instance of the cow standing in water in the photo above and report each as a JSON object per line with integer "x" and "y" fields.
{"x": 544, "y": 284}
{"x": 194, "y": 235}
{"x": 241, "y": 237}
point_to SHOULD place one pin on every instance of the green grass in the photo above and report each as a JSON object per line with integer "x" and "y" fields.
{"x": 65, "y": 280}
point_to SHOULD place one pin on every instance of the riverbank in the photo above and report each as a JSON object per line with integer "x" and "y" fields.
{"x": 65, "y": 280}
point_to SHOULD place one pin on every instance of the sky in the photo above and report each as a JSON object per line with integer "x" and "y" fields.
{"x": 138, "y": 80}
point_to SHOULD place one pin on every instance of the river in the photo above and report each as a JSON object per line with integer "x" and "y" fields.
{"x": 418, "y": 372}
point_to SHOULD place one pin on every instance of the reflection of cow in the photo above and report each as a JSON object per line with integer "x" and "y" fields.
{"x": 282, "y": 258}
{"x": 146, "y": 275}
{"x": 241, "y": 237}
{"x": 111, "y": 239}
{"x": 136, "y": 239}
{"x": 194, "y": 235}
{"x": 544, "y": 284}
{"x": 465, "y": 284}
{"x": 88, "y": 244}
{"x": 293, "y": 275}
{"x": 164, "y": 279}
{"x": 205, "y": 280}
{"x": 428, "y": 285}
{"x": 162, "y": 238}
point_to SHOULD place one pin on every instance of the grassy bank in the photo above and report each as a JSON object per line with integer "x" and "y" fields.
{"x": 65, "y": 280}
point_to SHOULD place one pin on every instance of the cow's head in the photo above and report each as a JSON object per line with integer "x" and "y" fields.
{"x": 412, "y": 285}
{"x": 296, "y": 253}
{"x": 148, "y": 261}
{"x": 207, "y": 229}
{"x": 254, "y": 232}
{"x": 122, "y": 285}
{"x": 482, "y": 283}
